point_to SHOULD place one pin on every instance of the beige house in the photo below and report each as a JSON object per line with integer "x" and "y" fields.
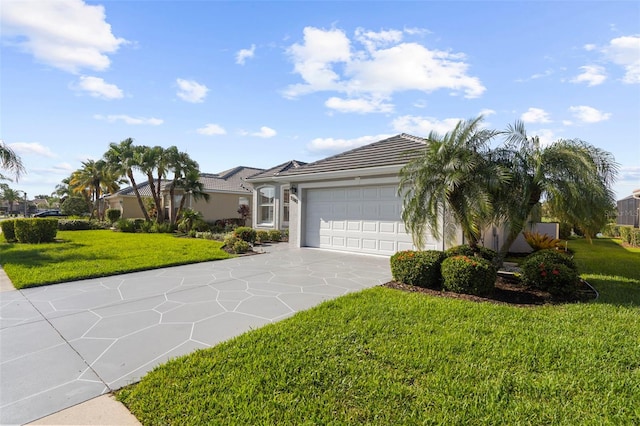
{"x": 227, "y": 191}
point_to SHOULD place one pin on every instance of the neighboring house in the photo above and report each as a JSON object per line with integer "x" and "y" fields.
{"x": 629, "y": 210}
{"x": 227, "y": 191}
{"x": 272, "y": 198}
{"x": 345, "y": 202}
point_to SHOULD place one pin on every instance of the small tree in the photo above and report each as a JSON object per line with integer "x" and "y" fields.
{"x": 244, "y": 212}
{"x": 74, "y": 206}
{"x": 188, "y": 218}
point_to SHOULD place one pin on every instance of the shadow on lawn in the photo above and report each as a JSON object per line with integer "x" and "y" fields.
{"x": 35, "y": 257}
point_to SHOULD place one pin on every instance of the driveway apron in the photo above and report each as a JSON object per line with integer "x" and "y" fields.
{"x": 64, "y": 344}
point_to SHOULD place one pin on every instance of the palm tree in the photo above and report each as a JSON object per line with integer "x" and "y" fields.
{"x": 150, "y": 160}
{"x": 573, "y": 176}
{"x": 97, "y": 178}
{"x": 10, "y": 161}
{"x": 451, "y": 176}
{"x": 10, "y": 195}
{"x": 189, "y": 218}
{"x": 191, "y": 185}
{"x": 182, "y": 166}
{"x": 122, "y": 158}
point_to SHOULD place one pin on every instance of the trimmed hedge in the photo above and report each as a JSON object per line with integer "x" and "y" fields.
{"x": 113, "y": 215}
{"x": 471, "y": 275}
{"x": 245, "y": 233}
{"x": 36, "y": 231}
{"x": 552, "y": 271}
{"x": 418, "y": 268}
{"x": 275, "y": 235}
{"x": 262, "y": 236}
{"x": 8, "y": 230}
{"x": 466, "y": 250}
{"x": 81, "y": 225}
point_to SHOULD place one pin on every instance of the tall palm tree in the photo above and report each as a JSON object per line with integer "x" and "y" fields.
{"x": 451, "y": 176}
{"x": 182, "y": 166}
{"x": 10, "y": 161}
{"x": 98, "y": 178}
{"x": 191, "y": 185}
{"x": 150, "y": 160}
{"x": 122, "y": 157}
{"x": 573, "y": 176}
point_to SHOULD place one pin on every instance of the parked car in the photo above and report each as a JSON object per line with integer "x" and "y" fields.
{"x": 49, "y": 213}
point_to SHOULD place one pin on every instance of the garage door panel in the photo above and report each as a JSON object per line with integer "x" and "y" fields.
{"x": 361, "y": 219}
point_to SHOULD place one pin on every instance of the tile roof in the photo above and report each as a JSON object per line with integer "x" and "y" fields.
{"x": 396, "y": 150}
{"x": 232, "y": 180}
{"x": 280, "y": 168}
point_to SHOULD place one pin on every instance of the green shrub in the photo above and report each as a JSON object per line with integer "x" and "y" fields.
{"x": 471, "y": 275}
{"x": 81, "y": 225}
{"x": 229, "y": 240}
{"x": 262, "y": 236}
{"x": 245, "y": 233}
{"x": 126, "y": 225}
{"x": 241, "y": 246}
{"x": 35, "y": 231}
{"x": 275, "y": 235}
{"x": 466, "y": 250}
{"x": 551, "y": 271}
{"x": 419, "y": 268}
{"x": 634, "y": 237}
{"x": 162, "y": 228}
{"x": 8, "y": 230}
{"x": 611, "y": 230}
{"x": 564, "y": 230}
{"x": 625, "y": 233}
{"x": 74, "y": 206}
{"x": 113, "y": 215}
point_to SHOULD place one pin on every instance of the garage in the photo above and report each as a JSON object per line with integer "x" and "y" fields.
{"x": 362, "y": 219}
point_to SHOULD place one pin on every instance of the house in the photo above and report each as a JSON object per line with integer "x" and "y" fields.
{"x": 629, "y": 210}
{"x": 346, "y": 202}
{"x": 227, "y": 190}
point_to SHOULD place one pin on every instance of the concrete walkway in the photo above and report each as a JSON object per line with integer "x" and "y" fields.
{"x": 65, "y": 344}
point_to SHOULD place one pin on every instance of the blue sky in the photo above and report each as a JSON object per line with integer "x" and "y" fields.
{"x": 260, "y": 83}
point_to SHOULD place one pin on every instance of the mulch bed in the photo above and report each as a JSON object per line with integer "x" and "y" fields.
{"x": 505, "y": 293}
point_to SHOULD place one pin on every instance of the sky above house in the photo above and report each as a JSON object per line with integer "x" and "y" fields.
{"x": 260, "y": 83}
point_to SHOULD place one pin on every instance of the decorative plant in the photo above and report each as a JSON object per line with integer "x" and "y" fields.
{"x": 539, "y": 241}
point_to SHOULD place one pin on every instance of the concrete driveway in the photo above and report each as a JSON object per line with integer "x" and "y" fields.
{"x": 67, "y": 343}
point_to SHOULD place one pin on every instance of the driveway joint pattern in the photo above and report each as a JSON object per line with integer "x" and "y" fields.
{"x": 93, "y": 336}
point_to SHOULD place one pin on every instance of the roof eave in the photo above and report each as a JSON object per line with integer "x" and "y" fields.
{"x": 393, "y": 169}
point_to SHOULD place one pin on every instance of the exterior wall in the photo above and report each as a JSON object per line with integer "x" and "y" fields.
{"x": 221, "y": 206}
{"x": 128, "y": 206}
{"x": 494, "y": 237}
{"x": 628, "y": 210}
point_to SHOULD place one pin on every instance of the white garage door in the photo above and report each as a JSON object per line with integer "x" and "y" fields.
{"x": 359, "y": 219}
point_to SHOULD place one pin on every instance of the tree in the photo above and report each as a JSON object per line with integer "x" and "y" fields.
{"x": 150, "y": 160}
{"x": 10, "y": 161}
{"x": 189, "y": 218}
{"x": 74, "y": 206}
{"x": 123, "y": 159}
{"x": 192, "y": 186}
{"x": 98, "y": 178}
{"x": 182, "y": 166}
{"x": 10, "y": 195}
{"x": 573, "y": 177}
{"x": 452, "y": 175}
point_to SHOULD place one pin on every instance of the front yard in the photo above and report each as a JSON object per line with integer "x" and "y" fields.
{"x": 384, "y": 356}
{"x": 86, "y": 254}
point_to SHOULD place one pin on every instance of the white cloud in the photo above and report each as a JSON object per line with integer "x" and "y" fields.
{"x": 212, "y": 129}
{"x": 98, "y": 88}
{"x": 592, "y": 75}
{"x": 361, "y": 105}
{"x": 32, "y": 148}
{"x": 66, "y": 34}
{"x": 487, "y": 112}
{"x": 422, "y": 126}
{"x": 265, "y": 132}
{"x": 339, "y": 145}
{"x": 535, "y": 115}
{"x": 244, "y": 54}
{"x": 589, "y": 47}
{"x": 587, "y": 114}
{"x": 327, "y": 61}
{"x": 630, "y": 173}
{"x": 129, "y": 120}
{"x": 546, "y": 136}
{"x": 191, "y": 91}
{"x": 625, "y": 51}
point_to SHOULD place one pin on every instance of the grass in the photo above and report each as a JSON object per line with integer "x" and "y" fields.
{"x": 86, "y": 254}
{"x": 383, "y": 356}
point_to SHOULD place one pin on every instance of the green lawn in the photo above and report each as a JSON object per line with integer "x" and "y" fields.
{"x": 86, "y": 254}
{"x": 385, "y": 357}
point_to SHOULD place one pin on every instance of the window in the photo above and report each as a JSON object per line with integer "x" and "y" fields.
{"x": 285, "y": 207}
{"x": 265, "y": 204}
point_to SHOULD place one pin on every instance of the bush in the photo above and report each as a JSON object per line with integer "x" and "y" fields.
{"x": 241, "y": 246}
{"x": 262, "y": 236}
{"x": 246, "y": 234}
{"x": 126, "y": 225}
{"x": 113, "y": 215}
{"x": 162, "y": 228}
{"x": 539, "y": 241}
{"x": 275, "y": 235}
{"x": 74, "y": 206}
{"x": 8, "y": 230}
{"x": 625, "y": 234}
{"x": 634, "y": 238}
{"x": 611, "y": 231}
{"x": 81, "y": 225}
{"x": 419, "y": 268}
{"x": 466, "y": 250}
{"x": 564, "y": 230}
{"x": 551, "y": 271}
{"x": 471, "y": 275}
{"x": 35, "y": 231}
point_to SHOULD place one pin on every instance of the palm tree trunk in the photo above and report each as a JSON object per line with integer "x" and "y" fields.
{"x": 135, "y": 189}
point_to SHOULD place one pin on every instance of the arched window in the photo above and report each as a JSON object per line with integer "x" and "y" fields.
{"x": 266, "y": 200}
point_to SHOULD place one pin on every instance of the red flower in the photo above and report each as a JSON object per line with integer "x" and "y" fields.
{"x": 543, "y": 273}
{"x": 556, "y": 272}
